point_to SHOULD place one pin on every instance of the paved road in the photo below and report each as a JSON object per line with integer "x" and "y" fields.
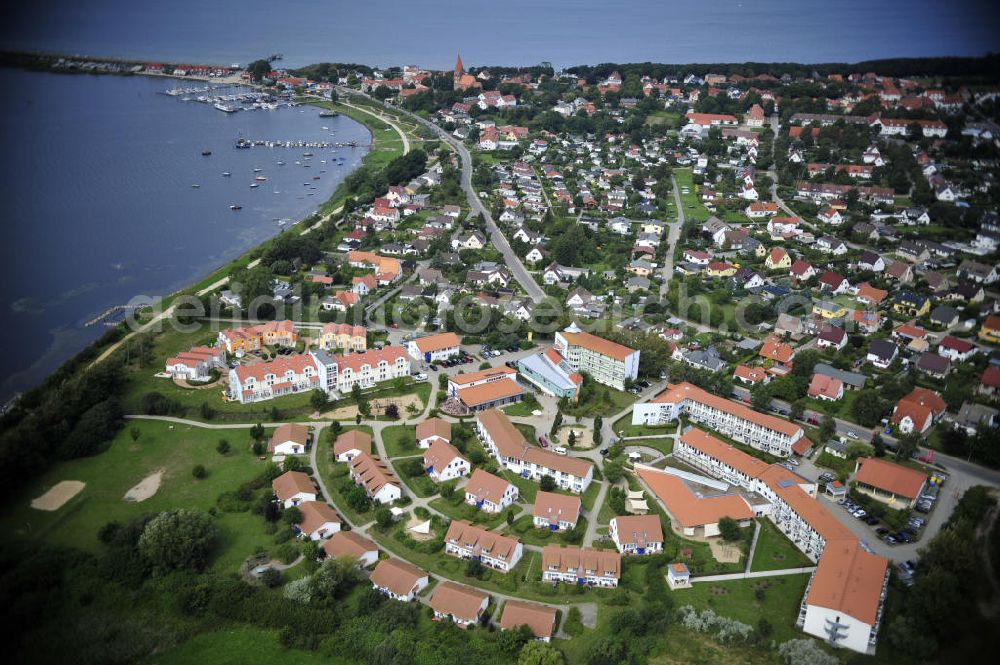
{"x": 512, "y": 261}
{"x": 673, "y": 235}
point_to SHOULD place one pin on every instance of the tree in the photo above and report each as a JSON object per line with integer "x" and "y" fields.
{"x": 572, "y": 438}
{"x": 598, "y": 426}
{"x": 292, "y": 515}
{"x": 729, "y": 529}
{"x": 198, "y": 471}
{"x": 556, "y": 423}
{"x": 318, "y": 399}
{"x": 510, "y": 517}
{"x": 797, "y": 410}
{"x": 867, "y": 408}
{"x": 614, "y": 471}
{"x": 760, "y": 396}
{"x": 257, "y": 432}
{"x": 392, "y": 411}
{"x": 135, "y": 433}
{"x": 222, "y": 447}
{"x": 827, "y": 428}
{"x": 474, "y": 569}
{"x": 540, "y": 653}
{"x": 383, "y": 517}
{"x": 907, "y": 445}
{"x": 547, "y": 484}
{"x": 178, "y": 539}
{"x": 271, "y": 578}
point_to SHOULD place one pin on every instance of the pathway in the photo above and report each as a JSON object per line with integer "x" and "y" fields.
{"x": 748, "y": 575}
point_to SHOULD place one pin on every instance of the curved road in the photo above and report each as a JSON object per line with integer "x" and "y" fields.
{"x": 511, "y": 259}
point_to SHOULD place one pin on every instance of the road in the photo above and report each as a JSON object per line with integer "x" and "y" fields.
{"x": 673, "y": 235}
{"x": 511, "y": 260}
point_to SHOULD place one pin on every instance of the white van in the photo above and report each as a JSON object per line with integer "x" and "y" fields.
{"x": 560, "y": 450}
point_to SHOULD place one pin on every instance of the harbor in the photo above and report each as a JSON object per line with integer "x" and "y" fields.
{"x": 244, "y": 143}
{"x": 231, "y": 98}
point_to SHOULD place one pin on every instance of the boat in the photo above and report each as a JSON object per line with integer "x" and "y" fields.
{"x": 260, "y": 178}
{"x": 243, "y": 143}
{"x": 206, "y": 152}
{"x": 236, "y": 206}
{"x": 195, "y": 186}
{"x": 254, "y": 186}
{"x": 307, "y": 154}
{"x": 225, "y": 108}
{"x": 257, "y": 170}
{"x": 328, "y": 114}
{"x": 315, "y": 177}
{"x": 281, "y": 163}
{"x": 226, "y": 174}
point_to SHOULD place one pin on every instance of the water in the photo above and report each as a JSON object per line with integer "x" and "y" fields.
{"x": 96, "y": 182}
{"x": 565, "y": 32}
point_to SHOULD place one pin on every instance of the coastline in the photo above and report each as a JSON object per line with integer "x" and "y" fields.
{"x": 105, "y": 345}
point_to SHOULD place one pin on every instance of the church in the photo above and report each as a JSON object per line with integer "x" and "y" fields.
{"x": 464, "y": 81}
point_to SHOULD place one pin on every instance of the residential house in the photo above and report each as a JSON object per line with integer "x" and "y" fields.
{"x": 376, "y": 477}
{"x": 464, "y": 605}
{"x": 778, "y": 259}
{"x": 881, "y": 353}
{"x": 319, "y": 520}
{"x": 350, "y": 444}
{"x": 399, "y": 580}
{"x": 353, "y": 545}
{"x": 471, "y": 542}
{"x": 293, "y": 488}
{"x": 636, "y": 534}
{"x": 488, "y": 492}
{"x": 917, "y": 411}
{"x": 556, "y": 512}
{"x": 289, "y": 439}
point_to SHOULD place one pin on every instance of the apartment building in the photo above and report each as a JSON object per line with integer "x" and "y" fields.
{"x": 556, "y": 512}
{"x": 845, "y": 598}
{"x": 339, "y": 374}
{"x": 434, "y": 347}
{"x": 239, "y": 341}
{"x": 343, "y": 337}
{"x": 197, "y": 363}
{"x": 490, "y": 388}
{"x": 467, "y": 541}
{"x": 605, "y": 361}
{"x": 764, "y": 432}
{"x": 285, "y": 375}
{"x": 581, "y": 565}
{"x": 506, "y": 443}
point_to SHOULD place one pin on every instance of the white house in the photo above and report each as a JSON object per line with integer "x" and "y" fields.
{"x": 319, "y": 520}
{"x": 293, "y": 488}
{"x": 443, "y": 462}
{"x": 354, "y": 545}
{"x": 467, "y": 541}
{"x": 289, "y": 439}
{"x": 488, "y": 492}
{"x": 637, "y": 534}
{"x": 399, "y": 580}
{"x": 434, "y": 347}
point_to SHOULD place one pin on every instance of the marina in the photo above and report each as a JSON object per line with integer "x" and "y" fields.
{"x": 243, "y": 143}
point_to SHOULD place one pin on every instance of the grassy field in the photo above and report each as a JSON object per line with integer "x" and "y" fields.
{"x": 623, "y": 427}
{"x": 238, "y": 646}
{"x": 739, "y": 599}
{"x": 172, "y": 449}
{"x": 421, "y": 485}
{"x": 604, "y": 402}
{"x": 463, "y": 511}
{"x": 664, "y": 444}
{"x": 400, "y": 441}
{"x": 693, "y": 208}
{"x": 775, "y": 551}
{"x": 523, "y": 528}
{"x": 520, "y": 409}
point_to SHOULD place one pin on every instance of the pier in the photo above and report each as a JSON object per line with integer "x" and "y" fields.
{"x": 112, "y": 316}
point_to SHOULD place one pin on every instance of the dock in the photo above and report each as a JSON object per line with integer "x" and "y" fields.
{"x": 113, "y": 315}
{"x": 272, "y": 143}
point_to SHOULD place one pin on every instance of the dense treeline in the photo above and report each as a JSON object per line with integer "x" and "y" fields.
{"x": 986, "y": 67}
{"x": 947, "y": 613}
{"x": 70, "y": 415}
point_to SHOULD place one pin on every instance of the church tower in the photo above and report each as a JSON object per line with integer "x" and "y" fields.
{"x": 459, "y": 70}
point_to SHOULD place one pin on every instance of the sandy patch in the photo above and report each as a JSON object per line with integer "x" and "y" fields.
{"x": 59, "y": 494}
{"x": 584, "y": 436}
{"x": 724, "y": 552}
{"x": 378, "y": 408}
{"x": 414, "y": 521}
{"x": 146, "y": 488}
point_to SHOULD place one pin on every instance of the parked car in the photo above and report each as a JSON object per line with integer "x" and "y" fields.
{"x": 826, "y": 477}
{"x": 421, "y": 377}
{"x": 543, "y": 442}
{"x": 604, "y": 452}
{"x": 881, "y": 532}
{"x": 793, "y": 461}
{"x": 871, "y": 520}
{"x": 891, "y": 540}
{"x": 560, "y": 450}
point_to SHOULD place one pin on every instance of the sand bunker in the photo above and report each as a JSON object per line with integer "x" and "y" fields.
{"x": 584, "y": 436}
{"x": 59, "y": 494}
{"x": 146, "y": 488}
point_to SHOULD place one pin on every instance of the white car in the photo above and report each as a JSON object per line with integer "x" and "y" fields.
{"x": 560, "y": 450}
{"x": 420, "y": 377}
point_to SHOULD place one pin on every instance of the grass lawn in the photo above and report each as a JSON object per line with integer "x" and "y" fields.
{"x": 527, "y": 489}
{"x": 400, "y": 441}
{"x": 238, "y": 646}
{"x": 520, "y": 409}
{"x": 523, "y": 528}
{"x": 775, "y": 551}
{"x": 603, "y": 401}
{"x": 590, "y": 495}
{"x": 623, "y": 427}
{"x": 664, "y": 444}
{"x": 528, "y": 431}
{"x": 738, "y": 600}
{"x": 463, "y": 511}
{"x": 172, "y": 449}
{"x": 841, "y": 467}
{"x": 334, "y": 474}
{"x": 420, "y": 485}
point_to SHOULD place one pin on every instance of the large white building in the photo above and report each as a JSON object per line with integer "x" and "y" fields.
{"x": 196, "y": 364}
{"x": 434, "y": 347}
{"x": 845, "y": 598}
{"x": 339, "y": 374}
{"x": 506, "y": 443}
{"x": 768, "y": 433}
{"x": 605, "y": 361}
{"x": 285, "y": 375}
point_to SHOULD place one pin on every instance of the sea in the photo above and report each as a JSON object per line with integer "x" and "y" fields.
{"x": 97, "y": 180}
{"x": 514, "y": 32}
{"x": 96, "y": 172}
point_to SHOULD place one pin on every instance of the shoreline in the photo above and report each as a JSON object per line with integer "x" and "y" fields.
{"x": 203, "y": 283}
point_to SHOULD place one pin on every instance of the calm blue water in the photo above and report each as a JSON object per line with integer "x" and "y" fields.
{"x": 98, "y": 207}
{"x": 565, "y": 32}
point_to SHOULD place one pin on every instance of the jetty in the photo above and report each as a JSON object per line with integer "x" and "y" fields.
{"x": 113, "y": 315}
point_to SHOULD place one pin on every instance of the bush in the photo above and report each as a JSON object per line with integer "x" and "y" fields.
{"x": 222, "y": 447}
{"x": 271, "y": 577}
{"x": 177, "y": 540}
{"x": 199, "y": 471}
